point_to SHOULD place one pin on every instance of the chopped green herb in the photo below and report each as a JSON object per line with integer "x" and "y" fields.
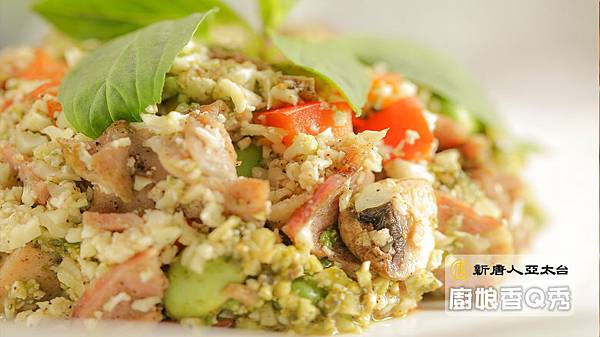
{"x": 115, "y": 82}
{"x": 328, "y": 237}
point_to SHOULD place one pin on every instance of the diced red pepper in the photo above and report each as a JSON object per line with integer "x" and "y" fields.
{"x": 43, "y": 67}
{"x": 402, "y": 115}
{"x": 47, "y": 88}
{"x": 310, "y": 118}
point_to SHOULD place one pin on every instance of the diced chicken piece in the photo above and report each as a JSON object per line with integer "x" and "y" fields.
{"x": 114, "y": 222}
{"x": 209, "y": 144}
{"x": 449, "y": 133}
{"x": 27, "y": 263}
{"x": 476, "y": 151}
{"x": 139, "y": 277}
{"x": 110, "y": 203}
{"x": 391, "y": 225}
{"x": 248, "y": 198}
{"x": 206, "y": 155}
{"x": 109, "y": 167}
{"x": 214, "y": 109}
{"x": 23, "y": 167}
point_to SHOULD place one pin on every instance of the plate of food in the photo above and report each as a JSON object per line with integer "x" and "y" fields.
{"x": 167, "y": 165}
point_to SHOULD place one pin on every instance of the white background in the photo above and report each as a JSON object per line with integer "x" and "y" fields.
{"x": 538, "y": 59}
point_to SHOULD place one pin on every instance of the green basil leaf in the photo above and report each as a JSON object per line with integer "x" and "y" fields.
{"x": 105, "y": 19}
{"x": 332, "y": 61}
{"x": 274, "y": 12}
{"x": 428, "y": 68}
{"x": 121, "y": 78}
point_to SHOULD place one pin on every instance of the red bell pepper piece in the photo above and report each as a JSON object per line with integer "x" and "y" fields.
{"x": 310, "y": 118}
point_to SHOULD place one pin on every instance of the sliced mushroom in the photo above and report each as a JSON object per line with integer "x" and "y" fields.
{"x": 28, "y": 263}
{"x": 391, "y": 225}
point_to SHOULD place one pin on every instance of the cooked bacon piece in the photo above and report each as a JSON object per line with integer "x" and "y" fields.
{"x": 493, "y": 230}
{"x": 22, "y": 165}
{"x": 224, "y": 323}
{"x": 503, "y": 188}
{"x": 319, "y": 212}
{"x": 450, "y": 207}
{"x": 449, "y": 133}
{"x": 114, "y": 222}
{"x": 139, "y": 277}
{"x": 27, "y": 263}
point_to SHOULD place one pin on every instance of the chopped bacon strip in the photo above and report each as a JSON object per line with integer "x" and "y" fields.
{"x": 320, "y": 211}
{"x": 127, "y": 278}
{"x": 114, "y": 222}
{"x": 476, "y": 151}
{"x": 450, "y": 207}
{"x": 224, "y": 323}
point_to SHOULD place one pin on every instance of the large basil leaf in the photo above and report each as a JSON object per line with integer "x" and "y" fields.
{"x": 332, "y": 61}
{"x": 121, "y": 78}
{"x": 105, "y": 19}
{"x": 274, "y": 12}
{"x": 428, "y": 68}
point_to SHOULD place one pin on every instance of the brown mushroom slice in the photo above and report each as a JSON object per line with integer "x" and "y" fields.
{"x": 27, "y": 263}
{"x": 392, "y": 225}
